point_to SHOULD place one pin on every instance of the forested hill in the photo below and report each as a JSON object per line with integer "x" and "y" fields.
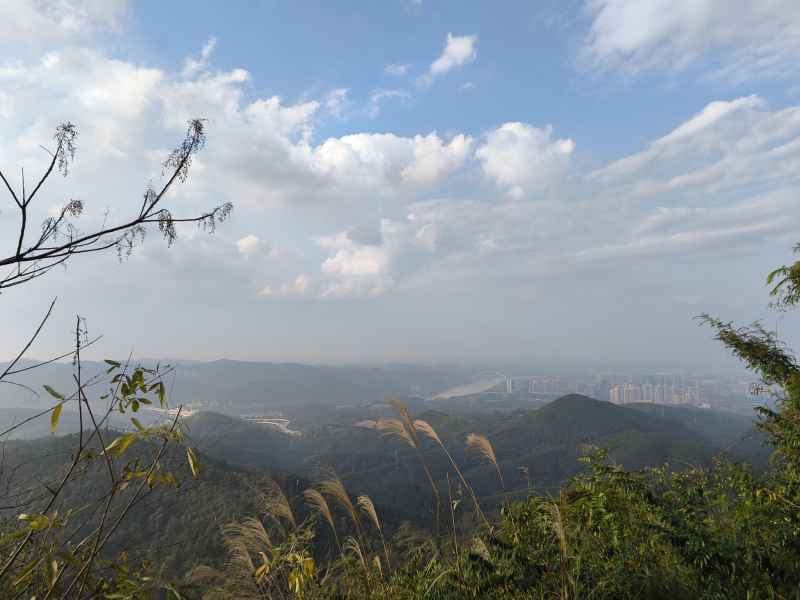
{"x": 537, "y": 452}
{"x": 534, "y": 447}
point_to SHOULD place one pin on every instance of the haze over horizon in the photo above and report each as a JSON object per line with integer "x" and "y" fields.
{"x": 455, "y": 183}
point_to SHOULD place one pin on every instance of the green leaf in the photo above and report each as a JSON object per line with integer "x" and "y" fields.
{"x": 194, "y": 465}
{"x": 113, "y": 363}
{"x": 37, "y": 522}
{"x": 53, "y": 393}
{"x": 160, "y": 392}
{"x": 137, "y": 424}
{"x": 119, "y": 445}
{"x": 54, "y": 416}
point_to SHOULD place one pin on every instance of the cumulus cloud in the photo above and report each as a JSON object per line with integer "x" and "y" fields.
{"x": 375, "y": 160}
{"x": 686, "y": 190}
{"x": 524, "y": 159}
{"x": 459, "y": 50}
{"x": 755, "y": 39}
{"x": 747, "y": 155}
{"x": 247, "y": 244}
{"x": 386, "y": 216}
{"x": 42, "y": 21}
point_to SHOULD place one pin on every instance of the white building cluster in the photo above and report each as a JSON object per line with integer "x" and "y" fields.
{"x": 655, "y": 393}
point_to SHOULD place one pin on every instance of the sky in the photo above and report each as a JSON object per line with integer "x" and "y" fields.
{"x": 551, "y": 182}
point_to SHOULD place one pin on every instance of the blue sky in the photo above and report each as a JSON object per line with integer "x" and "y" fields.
{"x": 529, "y": 68}
{"x": 417, "y": 180}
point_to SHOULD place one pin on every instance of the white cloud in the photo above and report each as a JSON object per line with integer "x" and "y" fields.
{"x": 300, "y": 286}
{"x": 377, "y": 97}
{"x": 713, "y": 114}
{"x": 374, "y": 160}
{"x": 336, "y": 102}
{"x": 352, "y": 258}
{"x": 524, "y": 159}
{"x": 750, "y": 39}
{"x": 341, "y": 208}
{"x": 41, "y": 21}
{"x": 726, "y": 146}
{"x": 247, "y": 244}
{"x": 609, "y": 221}
{"x": 702, "y": 229}
{"x": 459, "y": 50}
{"x": 397, "y": 69}
{"x": 192, "y": 65}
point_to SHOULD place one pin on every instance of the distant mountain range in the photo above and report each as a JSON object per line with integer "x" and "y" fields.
{"x": 235, "y": 385}
{"x": 537, "y": 449}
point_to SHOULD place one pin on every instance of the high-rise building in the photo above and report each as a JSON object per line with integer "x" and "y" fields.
{"x": 616, "y": 394}
{"x": 648, "y": 392}
{"x": 632, "y": 393}
{"x": 658, "y": 394}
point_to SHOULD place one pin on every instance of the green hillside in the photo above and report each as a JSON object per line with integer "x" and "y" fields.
{"x": 534, "y": 447}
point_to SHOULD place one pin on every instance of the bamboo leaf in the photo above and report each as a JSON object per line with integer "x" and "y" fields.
{"x": 194, "y": 465}
{"x": 53, "y": 393}
{"x": 54, "y": 416}
{"x": 119, "y": 445}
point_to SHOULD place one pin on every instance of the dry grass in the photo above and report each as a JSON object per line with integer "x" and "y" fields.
{"x": 405, "y": 416}
{"x": 318, "y": 503}
{"x": 334, "y": 488}
{"x": 403, "y": 427}
{"x": 428, "y": 430}
{"x": 481, "y": 445}
{"x": 352, "y": 545}
{"x": 276, "y": 504}
{"x": 243, "y": 540}
{"x": 365, "y": 504}
{"x": 396, "y": 428}
{"x": 250, "y": 533}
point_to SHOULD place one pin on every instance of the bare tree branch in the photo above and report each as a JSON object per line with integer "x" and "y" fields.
{"x": 60, "y": 239}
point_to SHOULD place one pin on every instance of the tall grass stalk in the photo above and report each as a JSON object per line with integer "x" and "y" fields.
{"x": 365, "y": 503}
{"x": 481, "y": 445}
{"x": 317, "y": 502}
{"x": 333, "y": 487}
{"x": 559, "y": 527}
{"x": 430, "y": 432}
{"x": 453, "y": 506}
{"x": 403, "y": 428}
{"x": 352, "y": 545}
{"x": 277, "y": 506}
